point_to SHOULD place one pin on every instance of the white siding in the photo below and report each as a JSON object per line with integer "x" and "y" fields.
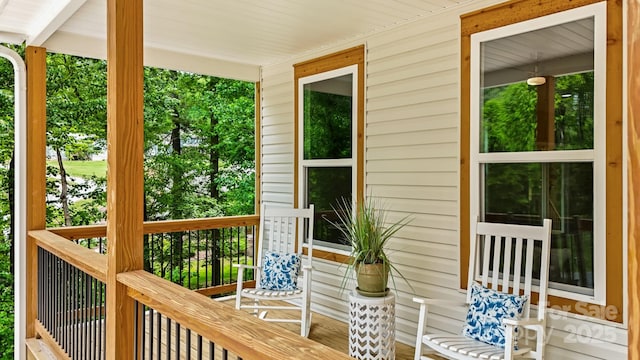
{"x": 411, "y": 162}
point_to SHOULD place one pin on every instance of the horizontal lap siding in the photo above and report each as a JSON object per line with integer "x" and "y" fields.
{"x": 411, "y": 164}
{"x": 277, "y": 135}
{"x": 412, "y": 159}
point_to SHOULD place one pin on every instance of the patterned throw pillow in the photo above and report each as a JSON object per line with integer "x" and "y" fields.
{"x": 486, "y": 311}
{"x": 280, "y": 271}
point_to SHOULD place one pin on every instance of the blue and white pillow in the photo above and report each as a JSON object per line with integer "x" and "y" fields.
{"x": 486, "y": 311}
{"x": 280, "y": 271}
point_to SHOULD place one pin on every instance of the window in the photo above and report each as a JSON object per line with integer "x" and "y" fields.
{"x": 328, "y": 146}
{"x": 546, "y": 150}
{"x": 536, "y": 144}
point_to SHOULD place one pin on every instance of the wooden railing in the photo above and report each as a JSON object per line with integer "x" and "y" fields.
{"x": 195, "y": 253}
{"x": 71, "y": 305}
{"x": 71, "y": 296}
{"x": 238, "y": 333}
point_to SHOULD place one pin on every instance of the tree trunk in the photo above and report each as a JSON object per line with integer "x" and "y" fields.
{"x": 177, "y": 193}
{"x": 214, "y": 160}
{"x": 64, "y": 189}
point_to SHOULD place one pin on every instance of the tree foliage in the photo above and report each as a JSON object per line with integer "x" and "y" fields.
{"x": 199, "y": 152}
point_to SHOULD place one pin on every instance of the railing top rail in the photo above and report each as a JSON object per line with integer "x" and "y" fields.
{"x": 234, "y": 330}
{"x": 155, "y": 227}
{"x": 82, "y": 258}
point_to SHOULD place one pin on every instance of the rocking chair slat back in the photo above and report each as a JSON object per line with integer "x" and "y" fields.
{"x": 496, "y": 263}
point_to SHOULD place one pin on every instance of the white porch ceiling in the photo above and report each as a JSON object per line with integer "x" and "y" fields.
{"x": 233, "y": 38}
{"x": 236, "y": 36}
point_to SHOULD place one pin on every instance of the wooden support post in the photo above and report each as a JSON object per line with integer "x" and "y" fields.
{"x": 36, "y": 61}
{"x": 125, "y": 168}
{"x": 545, "y": 111}
{"x": 633, "y": 108}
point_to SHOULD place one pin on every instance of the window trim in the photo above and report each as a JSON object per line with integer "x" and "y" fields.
{"x": 516, "y": 11}
{"x": 350, "y": 57}
{"x": 594, "y": 156}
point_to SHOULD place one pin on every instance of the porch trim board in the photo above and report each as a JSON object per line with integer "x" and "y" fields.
{"x": 633, "y": 176}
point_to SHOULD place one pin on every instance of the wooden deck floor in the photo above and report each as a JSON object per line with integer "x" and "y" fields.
{"x": 335, "y": 334}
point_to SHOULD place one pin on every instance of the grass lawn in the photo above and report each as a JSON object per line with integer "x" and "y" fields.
{"x": 84, "y": 169}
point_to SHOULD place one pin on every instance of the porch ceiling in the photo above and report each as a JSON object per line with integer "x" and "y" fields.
{"x": 229, "y": 38}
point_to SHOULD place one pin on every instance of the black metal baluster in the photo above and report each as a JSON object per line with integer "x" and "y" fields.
{"x": 238, "y": 255}
{"x": 206, "y": 259}
{"x": 55, "y": 284}
{"x": 188, "y": 344}
{"x": 92, "y": 319}
{"x": 151, "y": 334}
{"x": 159, "y": 334}
{"x": 144, "y": 331}
{"x": 67, "y": 309}
{"x": 135, "y": 329}
{"x": 168, "y": 333}
{"x": 212, "y": 350}
{"x": 74, "y": 311}
{"x": 189, "y": 262}
{"x": 85, "y": 317}
{"x": 199, "y": 347}
{"x": 102, "y": 328}
{"x": 177, "y": 340}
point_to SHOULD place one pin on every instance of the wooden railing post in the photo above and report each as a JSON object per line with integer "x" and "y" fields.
{"x": 125, "y": 168}
{"x": 36, "y": 58}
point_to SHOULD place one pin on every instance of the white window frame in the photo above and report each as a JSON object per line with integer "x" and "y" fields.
{"x": 597, "y": 156}
{"x": 304, "y": 164}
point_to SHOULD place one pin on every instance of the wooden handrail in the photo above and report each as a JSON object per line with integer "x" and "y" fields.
{"x": 156, "y": 227}
{"x": 236, "y": 331}
{"x": 82, "y": 258}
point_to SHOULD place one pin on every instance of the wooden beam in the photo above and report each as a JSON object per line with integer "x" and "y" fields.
{"x": 57, "y": 14}
{"x": 124, "y": 168}
{"x": 633, "y": 163}
{"x": 36, "y": 61}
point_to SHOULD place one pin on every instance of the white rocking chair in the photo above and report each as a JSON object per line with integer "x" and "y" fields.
{"x": 501, "y": 245}
{"x": 281, "y": 236}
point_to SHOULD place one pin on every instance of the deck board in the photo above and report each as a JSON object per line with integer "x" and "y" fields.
{"x": 334, "y": 333}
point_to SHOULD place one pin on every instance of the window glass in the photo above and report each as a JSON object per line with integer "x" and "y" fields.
{"x": 510, "y": 120}
{"x": 326, "y": 186}
{"x": 526, "y": 193}
{"x": 327, "y": 118}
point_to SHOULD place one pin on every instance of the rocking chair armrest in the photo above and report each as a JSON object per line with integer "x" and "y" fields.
{"x": 306, "y": 267}
{"x": 530, "y": 323}
{"x": 439, "y": 302}
{"x": 245, "y": 266}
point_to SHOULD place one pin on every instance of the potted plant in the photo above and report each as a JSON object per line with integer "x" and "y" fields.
{"x": 368, "y": 233}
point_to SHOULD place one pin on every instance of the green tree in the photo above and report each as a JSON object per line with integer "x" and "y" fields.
{"x": 76, "y": 129}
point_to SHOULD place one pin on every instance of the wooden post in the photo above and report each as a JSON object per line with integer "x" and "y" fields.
{"x": 633, "y": 108}
{"x": 125, "y": 168}
{"x": 545, "y": 111}
{"x": 36, "y": 62}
